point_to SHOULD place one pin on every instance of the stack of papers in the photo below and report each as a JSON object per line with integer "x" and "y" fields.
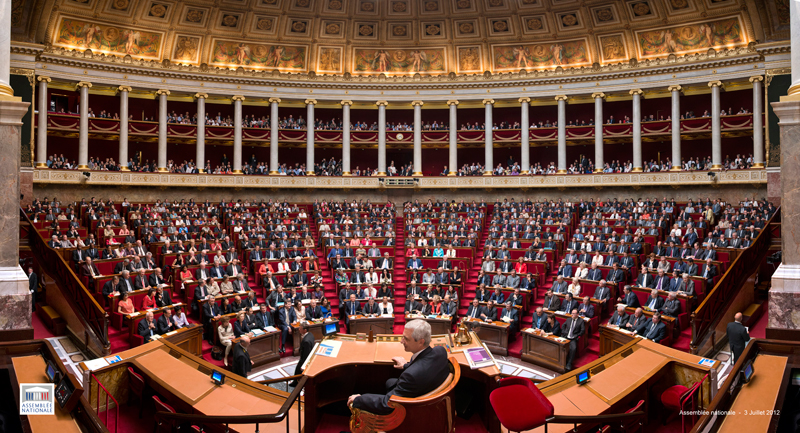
{"x": 329, "y": 348}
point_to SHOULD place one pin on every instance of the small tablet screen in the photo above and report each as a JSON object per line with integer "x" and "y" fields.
{"x": 331, "y": 328}
{"x": 582, "y": 377}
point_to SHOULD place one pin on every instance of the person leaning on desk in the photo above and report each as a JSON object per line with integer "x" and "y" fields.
{"x": 426, "y": 370}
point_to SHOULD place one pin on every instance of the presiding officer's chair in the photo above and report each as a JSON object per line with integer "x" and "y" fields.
{"x": 434, "y": 411}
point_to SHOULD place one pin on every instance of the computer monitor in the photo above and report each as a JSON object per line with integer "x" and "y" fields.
{"x": 217, "y": 377}
{"x": 582, "y": 377}
{"x": 331, "y": 328}
{"x": 747, "y": 372}
{"x": 52, "y": 373}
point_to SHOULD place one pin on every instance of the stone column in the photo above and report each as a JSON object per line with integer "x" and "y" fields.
{"x": 83, "y": 126}
{"x": 273, "y": 135}
{"x": 488, "y": 134}
{"x": 310, "y": 119}
{"x": 716, "y": 126}
{"x": 123, "y": 126}
{"x": 452, "y": 162}
{"x": 346, "y": 137}
{"x": 675, "y": 116}
{"x": 237, "y": 133}
{"x": 525, "y": 136}
{"x": 41, "y": 132}
{"x": 598, "y": 131}
{"x": 162, "y": 129}
{"x": 758, "y": 122}
{"x": 200, "y": 152}
{"x": 381, "y": 137}
{"x": 562, "y": 134}
{"x": 794, "y": 25}
{"x": 417, "y": 137}
{"x": 637, "y": 129}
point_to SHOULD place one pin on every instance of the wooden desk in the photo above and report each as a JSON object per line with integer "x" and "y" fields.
{"x": 379, "y": 325}
{"x": 612, "y": 338}
{"x": 189, "y": 338}
{"x": 439, "y": 325}
{"x": 760, "y": 394}
{"x": 545, "y": 350}
{"x": 494, "y": 334}
{"x": 264, "y": 348}
{"x": 30, "y": 369}
{"x": 315, "y": 328}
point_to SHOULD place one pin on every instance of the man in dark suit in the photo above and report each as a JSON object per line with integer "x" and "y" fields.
{"x": 241, "y": 358}
{"x": 538, "y": 319}
{"x": 629, "y": 298}
{"x": 510, "y": 315}
{"x": 671, "y": 307}
{"x": 474, "y": 310}
{"x": 371, "y": 307}
{"x": 89, "y": 269}
{"x": 644, "y": 279}
{"x": 551, "y": 301}
{"x": 569, "y": 304}
{"x": 147, "y": 327}
{"x": 616, "y": 275}
{"x": 351, "y": 308}
{"x": 426, "y": 370}
{"x": 653, "y": 329}
{"x": 620, "y": 318}
{"x": 111, "y": 287}
{"x": 586, "y": 309}
{"x": 286, "y": 317}
{"x": 636, "y": 320}
{"x": 306, "y": 345}
{"x": 164, "y": 323}
{"x": 264, "y": 317}
{"x": 737, "y": 336}
{"x": 654, "y": 302}
{"x": 210, "y": 311}
{"x": 572, "y": 330}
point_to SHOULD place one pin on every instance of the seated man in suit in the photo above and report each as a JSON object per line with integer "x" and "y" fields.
{"x": 111, "y": 287}
{"x": 654, "y": 302}
{"x": 653, "y": 329}
{"x": 572, "y": 330}
{"x": 475, "y": 310}
{"x": 551, "y": 301}
{"x": 602, "y": 292}
{"x": 708, "y": 272}
{"x": 264, "y": 317}
{"x": 560, "y": 286}
{"x": 490, "y": 312}
{"x": 210, "y": 311}
{"x": 538, "y": 319}
{"x": 162, "y": 297}
{"x": 569, "y": 303}
{"x": 620, "y": 318}
{"x": 426, "y": 370}
{"x": 671, "y": 307}
{"x": 497, "y": 295}
{"x": 141, "y": 282}
{"x": 89, "y": 269}
{"x": 147, "y": 327}
{"x": 616, "y": 275}
{"x": 635, "y": 320}
{"x": 351, "y": 308}
{"x": 510, "y": 315}
{"x": 586, "y": 309}
{"x": 686, "y": 286}
{"x": 644, "y": 279}
{"x": 164, "y": 323}
{"x": 629, "y": 298}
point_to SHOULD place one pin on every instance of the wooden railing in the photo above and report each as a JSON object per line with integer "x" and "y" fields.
{"x": 84, "y": 305}
{"x": 709, "y": 312}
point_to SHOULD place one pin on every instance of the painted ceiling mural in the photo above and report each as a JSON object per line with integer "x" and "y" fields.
{"x": 396, "y": 37}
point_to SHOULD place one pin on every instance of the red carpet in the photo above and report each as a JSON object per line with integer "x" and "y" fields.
{"x": 759, "y": 330}
{"x": 40, "y": 331}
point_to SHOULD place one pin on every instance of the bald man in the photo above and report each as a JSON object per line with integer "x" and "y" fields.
{"x": 737, "y": 336}
{"x": 241, "y": 358}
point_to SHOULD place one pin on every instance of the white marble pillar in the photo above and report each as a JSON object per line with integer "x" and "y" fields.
{"x": 6, "y": 92}
{"x": 675, "y": 117}
{"x": 83, "y": 126}
{"x": 162, "y": 129}
{"x": 452, "y": 161}
{"x": 310, "y": 120}
{"x": 123, "y": 92}
{"x": 346, "y": 137}
{"x": 488, "y": 134}
{"x": 794, "y": 25}
{"x": 758, "y": 122}
{"x": 200, "y": 151}
{"x": 599, "y": 162}
{"x": 381, "y": 137}
{"x": 273, "y": 135}
{"x": 562, "y": 134}
{"x": 716, "y": 126}
{"x": 41, "y": 131}
{"x": 237, "y": 133}
{"x": 417, "y": 137}
{"x": 636, "y": 94}
{"x": 525, "y": 135}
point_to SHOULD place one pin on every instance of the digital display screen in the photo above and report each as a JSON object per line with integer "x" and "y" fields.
{"x": 582, "y": 377}
{"x": 748, "y": 372}
{"x": 51, "y": 372}
{"x": 217, "y": 377}
{"x": 331, "y": 328}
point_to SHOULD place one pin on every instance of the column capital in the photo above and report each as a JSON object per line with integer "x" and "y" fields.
{"x": 452, "y": 102}
{"x": 86, "y": 84}
{"x": 636, "y": 92}
{"x": 123, "y": 89}
{"x": 310, "y": 102}
{"x": 600, "y": 95}
{"x": 524, "y": 99}
{"x": 200, "y": 96}
{"x": 561, "y": 97}
{"x": 346, "y": 102}
{"x": 415, "y": 103}
{"x": 715, "y": 84}
{"x": 235, "y": 98}
{"x": 675, "y": 88}
{"x": 382, "y": 103}
{"x": 756, "y": 78}
{"x": 160, "y": 92}
{"x": 488, "y": 102}
{"x": 274, "y": 100}
{"x": 43, "y": 78}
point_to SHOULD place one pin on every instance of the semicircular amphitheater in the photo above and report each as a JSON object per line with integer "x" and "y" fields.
{"x": 399, "y": 215}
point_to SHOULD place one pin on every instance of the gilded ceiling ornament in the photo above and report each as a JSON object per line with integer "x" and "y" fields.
{"x": 299, "y": 26}
{"x": 466, "y": 28}
{"x": 270, "y": 2}
{"x": 186, "y": 48}
{"x": 194, "y": 16}
{"x": 433, "y": 30}
{"x": 264, "y": 24}
{"x": 333, "y": 29}
{"x": 111, "y": 34}
{"x": 534, "y": 23}
{"x": 530, "y": 2}
{"x": 302, "y": 3}
{"x": 463, "y": 4}
{"x": 120, "y": 5}
{"x": 260, "y": 50}
{"x": 367, "y": 6}
{"x": 399, "y": 55}
{"x": 335, "y": 5}
{"x": 399, "y": 6}
{"x": 500, "y": 26}
{"x": 230, "y": 20}
{"x": 679, "y": 4}
{"x": 569, "y": 20}
{"x": 365, "y": 30}
{"x": 158, "y": 10}
{"x": 399, "y": 31}
{"x": 688, "y": 33}
{"x": 468, "y": 59}
{"x": 495, "y": 3}
{"x": 605, "y": 14}
{"x": 641, "y": 9}
{"x": 431, "y": 6}
{"x": 539, "y": 50}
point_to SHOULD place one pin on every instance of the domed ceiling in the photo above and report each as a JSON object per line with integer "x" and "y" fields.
{"x": 398, "y": 37}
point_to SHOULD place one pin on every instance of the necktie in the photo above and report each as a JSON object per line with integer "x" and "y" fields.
{"x": 619, "y": 319}
{"x": 571, "y": 328}
{"x": 652, "y": 330}
{"x": 91, "y": 270}
{"x": 353, "y": 309}
{"x": 474, "y": 311}
{"x": 128, "y": 285}
{"x": 705, "y": 273}
{"x": 658, "y": 286}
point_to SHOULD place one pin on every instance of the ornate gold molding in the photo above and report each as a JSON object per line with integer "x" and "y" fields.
{"x": 274, "y": 100}
{"x": 414, "y": 103}
{"x": 41, "y": 78}
{"x": 86, "y": 84}
{"x": 716, "y": 83}
{"x": 200, "y": 96}
{"x": 636, "y": 92}
{"x": 674, "y": 87}
{"x": 123, "y": 89}
{"x": 235, "y": 98}
{"x": 755, "y": 78}
{"x": 382, "y": 103}
{"x": 346, "y": 102}
{"x": 487, "y": 102}
{"x": 524, "y": 99}
{"x": 310, "y": 102}
{"x": 600, "y": 95}
{"x": 452, "y": 102}
{"x": 561, "y": 98}
{"x": 160, "y": 92}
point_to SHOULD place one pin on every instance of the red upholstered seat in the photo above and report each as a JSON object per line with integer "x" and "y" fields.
{"x": 671, "y": 397}
{"x": 520, "y": 405}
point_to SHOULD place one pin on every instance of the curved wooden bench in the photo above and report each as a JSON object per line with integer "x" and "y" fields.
{"x": 434, "y": 411}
